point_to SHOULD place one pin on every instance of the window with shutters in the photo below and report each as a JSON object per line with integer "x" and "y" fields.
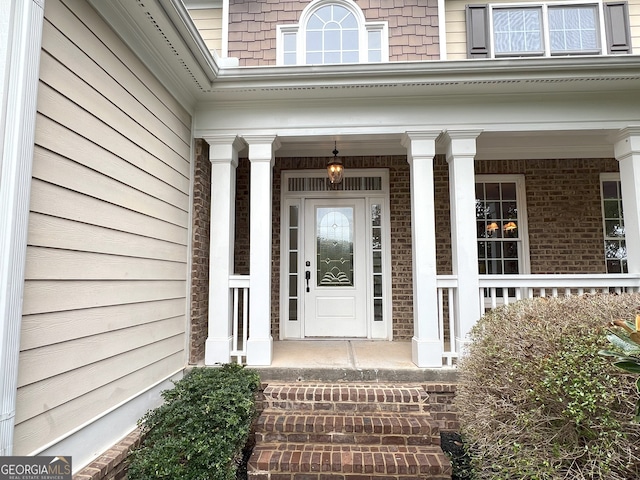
{"x": 332, "y": 32}
{"x": 547, "y": 29}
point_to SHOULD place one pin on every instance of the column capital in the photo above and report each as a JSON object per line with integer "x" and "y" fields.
{"x": 224, "y": 148}
{"x": 627, "y": 142}
{"x": 262, "y": 147}
{"x": 460, "y": 143}
{"x": 420, "y": 143}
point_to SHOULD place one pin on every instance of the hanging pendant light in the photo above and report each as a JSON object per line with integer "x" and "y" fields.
{"x": 335, "y": 167}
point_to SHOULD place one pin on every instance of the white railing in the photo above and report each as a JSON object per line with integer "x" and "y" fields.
{"x": 239, "y": 290}
{"x": 497, "y": 290}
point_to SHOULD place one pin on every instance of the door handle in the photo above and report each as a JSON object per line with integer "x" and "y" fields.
{"x": 307, "y": 276}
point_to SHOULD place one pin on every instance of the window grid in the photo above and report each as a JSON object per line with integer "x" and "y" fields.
{"x": 332, "y": 36}
{"x": 497, "y": 222}
{"x": 615, "y": 249}
{"x": 546, "y": 29}
{"x": 376, "y": 249}
{"x": 293, "y": 263}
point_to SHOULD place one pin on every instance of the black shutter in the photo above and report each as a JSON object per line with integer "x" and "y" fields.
{"x": 478, "y": 36}
{"x": 616, "y": 20}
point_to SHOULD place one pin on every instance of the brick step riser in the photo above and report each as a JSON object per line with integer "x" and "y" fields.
{"x": 365, "y": 407}
{"x": 339, "y": 476}
{"x": 344, "y": 439}
{"x": 425, "y": 463}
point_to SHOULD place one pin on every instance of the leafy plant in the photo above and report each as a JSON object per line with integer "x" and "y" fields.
{"x": 200, "y": 430}
{"x": 627, "y": 340}
{"x": 537, "y": 402}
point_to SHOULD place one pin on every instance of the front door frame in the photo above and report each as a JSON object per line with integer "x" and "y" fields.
{"x": 292, "y": 282}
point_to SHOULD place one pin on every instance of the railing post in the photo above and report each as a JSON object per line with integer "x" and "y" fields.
{"x": 461, "y": 150}
{"x": 426, "y": 344}
{"x": 223, "y": 153}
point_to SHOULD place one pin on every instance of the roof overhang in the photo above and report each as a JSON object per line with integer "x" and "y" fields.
{"x": 163, "y": 35}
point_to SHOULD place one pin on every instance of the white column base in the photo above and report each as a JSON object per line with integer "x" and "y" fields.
{"x": 217, "y": 351}
{"x": 259, "y": 351}
{"x": 426, "y": 353}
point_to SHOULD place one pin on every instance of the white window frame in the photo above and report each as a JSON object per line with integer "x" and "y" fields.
{"x": 546, "y": 47}
{"x": 300, "y": 32}
{"x": 609, "y": 177}
{"x": 524, "y": 264}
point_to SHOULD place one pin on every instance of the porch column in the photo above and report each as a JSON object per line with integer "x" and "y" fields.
{"x": 223, "y": 153}
{"x": 461, "y": 151}
{"x": 627, "y": 152}
{"x": 426, "y": 345}
{"x": 260, "y": 342}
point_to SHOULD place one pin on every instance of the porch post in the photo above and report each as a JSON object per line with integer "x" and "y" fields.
{"x": 426, "y": 345}
{"x": 223, "y": 153}
{"x": 260, "y": 342}
{"x": 627, "y": 152}
{"x": 461, "y": 151}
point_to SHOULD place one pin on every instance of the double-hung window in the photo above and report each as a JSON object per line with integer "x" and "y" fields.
{"x": 547, "y": 29}
{"x": 501, "y": 225}
{"x": 332, "y": 32}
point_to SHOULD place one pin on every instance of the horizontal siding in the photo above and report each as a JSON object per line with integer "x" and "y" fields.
{"x": 77, "y": 411}
{"x": 208, "y": 21}
{"x": 105, "y": 308}
{"x": 456, "y": 28}
{"x": 634, "y": 22}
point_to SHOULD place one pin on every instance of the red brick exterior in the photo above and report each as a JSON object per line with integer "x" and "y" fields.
{"x": 413, "y": 27}
{"x": 563, "y": 208}
{"x": 111, "y": 465}
{"x": 200, "y": 252}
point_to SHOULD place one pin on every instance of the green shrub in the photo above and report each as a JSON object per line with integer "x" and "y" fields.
{"x": 537, "y": 402}
{"x": 200, "y": 430}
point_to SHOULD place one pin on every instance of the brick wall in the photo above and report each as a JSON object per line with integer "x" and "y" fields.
{"x": 440, "y": 399}
{"x": 413, "y": 27}
{"x": 200, "y": 252}
{"x": 111, "y": 465}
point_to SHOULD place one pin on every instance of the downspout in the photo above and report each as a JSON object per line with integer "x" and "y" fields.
{"x": 21, "y": 24}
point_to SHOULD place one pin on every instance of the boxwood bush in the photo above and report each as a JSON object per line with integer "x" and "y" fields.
{"x": 200, "y": 430}
{"x": 537, "y": 401}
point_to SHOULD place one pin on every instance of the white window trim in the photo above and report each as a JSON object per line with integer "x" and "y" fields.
{"x": 364, "y": 28}
{"x": 602, "y": 40}
{"x": 608, "y": 177}
{"x": 519, "y": 180}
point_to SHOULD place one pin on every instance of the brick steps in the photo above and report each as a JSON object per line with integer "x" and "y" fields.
{"x": 397, "y": 461}
{"x": 359, "y": 429}
{"x": 347, "y": 431}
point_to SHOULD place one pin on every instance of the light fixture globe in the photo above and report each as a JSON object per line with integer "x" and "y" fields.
{"x": 335, "y": 168}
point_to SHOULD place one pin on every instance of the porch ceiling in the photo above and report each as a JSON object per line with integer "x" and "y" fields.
{"x": 490, "y": 145}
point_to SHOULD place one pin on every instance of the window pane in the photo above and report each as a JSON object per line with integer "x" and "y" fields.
{"x": 613, "y": 228}
{"x": 573, "y": 28}
{"x": 610, "y": 189}
{"x": 332, "y": 40}
{"x": 350, "y": 40}
{"x": 314, "y": 58}
{"x": 293, "y": 309}
{"x": 289, "y": 42}
{"x": 334, "y": 237}
{"x": 517, "y": 30}
{"x": 611, "y": 209}
{"x": 289, "y": 58}
{"x": 293, "y": 285}
{"x": 332, "y": 57}
{"x": 375, "y": 40}
{"x": 350, "y": 57}
{"x": 314, "y": 41}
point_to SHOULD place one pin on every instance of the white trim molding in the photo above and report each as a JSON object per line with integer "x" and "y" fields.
{"x": 20, "y": 69}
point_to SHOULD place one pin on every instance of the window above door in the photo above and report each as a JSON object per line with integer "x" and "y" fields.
{"x": 332, "y": 32}
{"x": 547, "y": 29}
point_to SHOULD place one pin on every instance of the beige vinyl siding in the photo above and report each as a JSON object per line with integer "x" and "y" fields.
{"x": 457, "y": 36}
{"x": 105, "y": 308}
{"x": 634, "y": 24}
{"x": 209, "y": 23}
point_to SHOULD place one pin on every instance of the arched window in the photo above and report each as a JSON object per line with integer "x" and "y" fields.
{"x": 332, "y": 32}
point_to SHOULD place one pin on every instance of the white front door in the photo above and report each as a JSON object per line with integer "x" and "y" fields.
{"x": 334, "y": 258}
